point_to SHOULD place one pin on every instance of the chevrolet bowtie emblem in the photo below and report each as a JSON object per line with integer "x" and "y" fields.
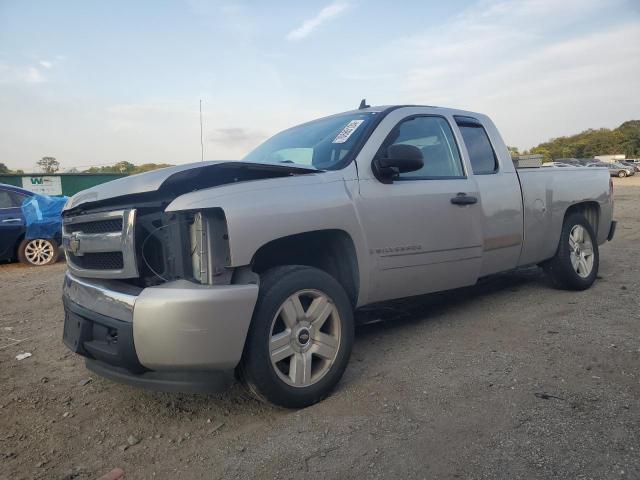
{"x": 74, "y": 243}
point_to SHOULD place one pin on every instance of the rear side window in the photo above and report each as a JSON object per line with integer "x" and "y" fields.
{"x": 483, "y": 158}
{"x": 6, "y": 200}
{"x": 11, "y": 199}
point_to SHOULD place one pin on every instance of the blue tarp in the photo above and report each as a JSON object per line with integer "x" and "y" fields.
{"x": 42, "y": 216}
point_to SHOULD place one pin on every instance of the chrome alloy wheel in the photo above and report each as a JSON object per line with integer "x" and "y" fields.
{"x": 305, "y": 338}
{"x": 39, "y": 251}
{"x": 581, "y": 251}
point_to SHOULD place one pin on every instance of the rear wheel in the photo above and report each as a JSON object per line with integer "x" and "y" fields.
{"x": 300, "y": 338}
{"x": 38, "y": 252}
{"x": 575, "y": 265}
{"x": 622, "y": 174}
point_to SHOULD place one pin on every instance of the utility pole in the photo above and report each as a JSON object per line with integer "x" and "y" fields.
{"x": 201, "y": 142}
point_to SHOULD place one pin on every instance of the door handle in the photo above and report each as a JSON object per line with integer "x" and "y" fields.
{"x": 7, "y": 220}
{"x": 463, "y": 199}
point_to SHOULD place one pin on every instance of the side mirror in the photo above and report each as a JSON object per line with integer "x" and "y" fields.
{"x": 400, "y": 159}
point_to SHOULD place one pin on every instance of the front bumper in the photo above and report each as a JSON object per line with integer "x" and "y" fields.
{"x": 178, "y": 336}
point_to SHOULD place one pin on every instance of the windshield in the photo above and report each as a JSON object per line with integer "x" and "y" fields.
{"x": 325, "y": 144}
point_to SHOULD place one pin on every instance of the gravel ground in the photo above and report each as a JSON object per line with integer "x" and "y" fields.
{"x": 508, "y": 379}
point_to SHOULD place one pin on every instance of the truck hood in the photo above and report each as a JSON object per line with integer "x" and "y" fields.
{"x": 166, "y": 184}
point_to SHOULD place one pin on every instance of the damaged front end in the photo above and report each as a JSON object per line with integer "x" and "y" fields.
{"x": 146, "y": 246}
{"x": 150, "y": 297}
{"x": 124, "y": 233}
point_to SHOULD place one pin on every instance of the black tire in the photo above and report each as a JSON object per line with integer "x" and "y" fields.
{"x": 256, "y": 370}
{"x": 23, "y": 257}
{"x": 622, "y": 174}
{"x": 560, "y": 268}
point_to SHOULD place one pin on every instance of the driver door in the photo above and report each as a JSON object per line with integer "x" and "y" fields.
{"x": 421, "y": 237}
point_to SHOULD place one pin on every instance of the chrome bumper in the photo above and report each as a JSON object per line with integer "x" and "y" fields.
{"x": 176, "y": 326}
{"x": 108, "y": 298}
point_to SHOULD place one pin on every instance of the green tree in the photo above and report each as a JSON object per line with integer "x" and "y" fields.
{"x": 48, "y": 164}
{"x": 124, "y": 167}
{"x": 631, "y": 133}
{"x": 127, "y": 167}
{"x": 147, "y": 167}
{"x": 514, "y": 151}
{"x": 4, "y": 168}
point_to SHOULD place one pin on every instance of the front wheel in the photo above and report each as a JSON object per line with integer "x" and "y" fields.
{"x": 38, "y": 252}
{"x": 575, "y": 265}
{"x": 300, "y": 337}
{"x": 622, "y": 174}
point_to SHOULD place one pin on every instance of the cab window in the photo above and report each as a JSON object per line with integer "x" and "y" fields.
{"x": 433, "y": 136}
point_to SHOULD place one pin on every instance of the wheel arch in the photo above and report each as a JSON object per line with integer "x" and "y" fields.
{"x": 332, "y": 251}
{"x": 16, "y": 247}
{"x": 561, "y": 268}
{"x": 590, "y": 210}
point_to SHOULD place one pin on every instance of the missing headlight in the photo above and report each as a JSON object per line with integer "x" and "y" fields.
{"x": 199, "y": 243}
{"x": 209, "y": 248}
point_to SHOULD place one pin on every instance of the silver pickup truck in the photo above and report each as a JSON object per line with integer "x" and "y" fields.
{"x": 181, "y": 277}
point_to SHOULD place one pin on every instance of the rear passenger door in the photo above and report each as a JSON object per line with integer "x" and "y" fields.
{"x": 501, "y": 209}
{"x": 11, "y": 222}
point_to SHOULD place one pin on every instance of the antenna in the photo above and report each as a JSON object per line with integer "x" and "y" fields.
{"x": 201, "y": 142}
{"x": 363, "y": 104}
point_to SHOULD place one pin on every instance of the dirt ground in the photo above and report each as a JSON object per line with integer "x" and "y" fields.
{"x": 509, "y": 379}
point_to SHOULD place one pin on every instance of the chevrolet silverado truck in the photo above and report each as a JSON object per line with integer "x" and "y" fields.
{"x": 183, "y": 278}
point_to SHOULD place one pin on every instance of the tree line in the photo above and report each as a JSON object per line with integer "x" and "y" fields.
{"x": 51, "y": 165}
{"x": 603, "y": 141}
{"x": 127, "y": 167}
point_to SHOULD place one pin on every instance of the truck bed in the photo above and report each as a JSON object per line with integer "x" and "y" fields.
{"x": 546, "y": 195}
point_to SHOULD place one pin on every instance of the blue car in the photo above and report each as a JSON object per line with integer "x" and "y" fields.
{"x": 36, "y": 251}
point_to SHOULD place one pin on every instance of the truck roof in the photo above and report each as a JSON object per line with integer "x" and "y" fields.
{"x": 386, "y": 108}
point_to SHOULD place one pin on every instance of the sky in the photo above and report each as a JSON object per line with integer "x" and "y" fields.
{"x": 95, "y": 83}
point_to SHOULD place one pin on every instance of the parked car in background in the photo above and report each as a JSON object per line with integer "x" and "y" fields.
{"x": 586, "y": 161}
{"x": 574, "y": 162}
{"x": 615, "y": 169}
{"x": 631, "y": 164}
{"x": 620, "y": 170}
{"x": 13, "y": 245}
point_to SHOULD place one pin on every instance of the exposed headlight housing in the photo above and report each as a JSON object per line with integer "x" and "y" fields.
{"x": 209, "y": 247}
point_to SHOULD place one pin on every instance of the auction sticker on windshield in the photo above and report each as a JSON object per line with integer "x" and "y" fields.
{"x": 347, "y": 131}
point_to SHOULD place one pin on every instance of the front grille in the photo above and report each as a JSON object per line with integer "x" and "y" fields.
{"x": 100, "y": 226}
{"x": 101, "y": 245}
{"x": 99, "y": 261}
